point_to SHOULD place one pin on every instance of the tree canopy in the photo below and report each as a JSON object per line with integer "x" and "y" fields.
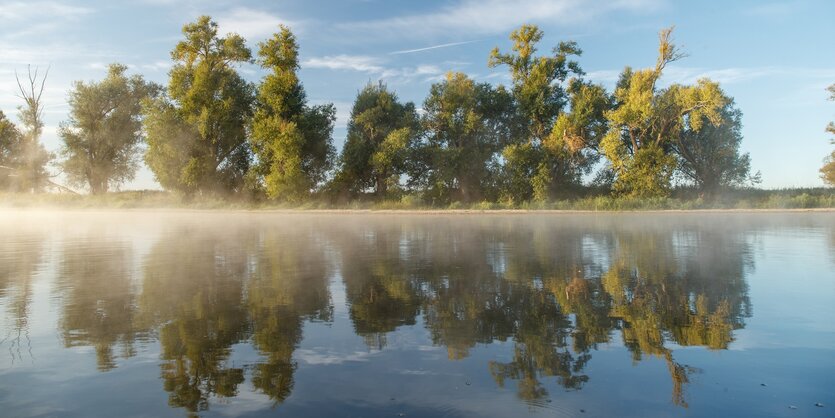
{"x": 466, "y": 125}
{"x": 103, "y": 135}
{"x": 380, "y": 133}
{"x": 532, "y": 170}
{"x": 549, "y": 134}
{"x": 647, "y": 119}
{"x": 197, "y": 139}
{"x": 291, "y": 140}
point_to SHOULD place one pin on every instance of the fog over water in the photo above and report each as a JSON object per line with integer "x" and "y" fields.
{"x": 179, "y": 313}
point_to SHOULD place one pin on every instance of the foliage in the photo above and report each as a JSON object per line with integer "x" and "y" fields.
{"x": 646, "y": 116}
{"x": 291, "y": 140}
{"x": 828, "y": 169}
{"x": 11, "y": 144}
{"x": 466, "y": 124}
{"x": 710, "y": 157}
{"x": 380, "y": 134}
{"x": 213, "y": 134}
{"x": 540, "y": 97}
{"x": 103, "y": 134}
{"x": 197, "y": 133}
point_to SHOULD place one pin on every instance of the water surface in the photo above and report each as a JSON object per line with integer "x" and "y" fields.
{"x": 152, "y": 314}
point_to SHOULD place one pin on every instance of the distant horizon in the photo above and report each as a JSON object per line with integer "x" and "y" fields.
{"x": 765, "y": 55}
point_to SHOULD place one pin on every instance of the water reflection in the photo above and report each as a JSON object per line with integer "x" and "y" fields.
{"x": 99, "y": 302}
{"x": 21, "y": 257}
{"x": 192, "y": 293}
{"x": 556, "y": 291}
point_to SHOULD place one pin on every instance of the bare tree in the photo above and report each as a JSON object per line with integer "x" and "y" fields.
{"x": 34, "y": 156}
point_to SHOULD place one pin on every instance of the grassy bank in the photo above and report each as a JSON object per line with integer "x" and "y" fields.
{"x": 741, "y": 199}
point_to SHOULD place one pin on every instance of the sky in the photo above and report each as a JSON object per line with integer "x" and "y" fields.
{"x": 774, "y": 57}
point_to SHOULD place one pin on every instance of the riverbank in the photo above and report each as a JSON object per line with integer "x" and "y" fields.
{"x": 747, "y": 200}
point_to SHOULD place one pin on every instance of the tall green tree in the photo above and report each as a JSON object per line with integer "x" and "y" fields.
{"x": 103, "y": 134}
{"x": 828, "y": 169}
{"x": 292, "y": 141}
{"x": 647, "y": 119}
{"x": 197, "y": 132}
{"x": 710, "y": 157}
{"x": 531, "y": 171}
{"x": 381, "y": 132}
{"x": 466, "y": 124}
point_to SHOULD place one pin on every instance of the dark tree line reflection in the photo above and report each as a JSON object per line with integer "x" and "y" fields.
{"x": 555, "y": 288}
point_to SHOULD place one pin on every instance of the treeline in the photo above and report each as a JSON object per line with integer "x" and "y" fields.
{"x": 550, "y": 134}
{"x": 828, "y": 169}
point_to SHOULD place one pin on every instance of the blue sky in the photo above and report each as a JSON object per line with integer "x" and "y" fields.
{"x": 774, "y": 57}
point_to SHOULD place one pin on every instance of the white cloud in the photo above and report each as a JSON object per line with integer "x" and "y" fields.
{"x": 157, "y": 66}
{"x": 688, "y": 75}
{"x": 253, "y": 25}
{"x": 359, "y": 63}
{"x": 731, "y": 75}
{"x": 603, "y": 76}
{"x": 372, "y": 65}
{"x": 491, "y": 16}
{"x": 19, "y": 10}
{"x": 409, "y": 51}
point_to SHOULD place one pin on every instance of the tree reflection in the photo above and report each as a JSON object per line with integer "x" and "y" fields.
{"x": 556, "y": 291}
{"x": 193, "y": 291}
{"x": 381, "y": 292}
{"x": 99, "y": 302}
{"x": 289, "y": 285}
{"x": 21, "y": 256}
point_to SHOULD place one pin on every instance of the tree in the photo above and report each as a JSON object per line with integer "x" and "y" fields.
{"x": 828, "y": 169}
{"x": 197, "y": 133}
{"x": 380, "y": 133}
{"x": 710, "y": 157}
{"x": 103, "y": 134}
{"x": 32, "y": 158}
{"x": 646, "y": 120}
{"x": 11, "y": 144}
{"x": 532, "y": 171}
{"x": 466, "y": 125}
{"x": 292, "y": 141}
{"x": 576, "y": 134}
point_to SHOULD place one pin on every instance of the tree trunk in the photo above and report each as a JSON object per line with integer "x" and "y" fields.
{"x": 381, "y": 187}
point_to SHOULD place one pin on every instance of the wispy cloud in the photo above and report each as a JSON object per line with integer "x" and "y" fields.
{"x": 492, "y": 16}
{"x": 253, "y": 25}
{"x": 44, "y": 54}
{"x": 409, "y": 51}
{"x": 731, "y": 75}
{"x": 374, "y": 66}
{"x": 20, "y": 10}
{"x": 776, "y": 8}
{"x": 345, "y": 62}
{"x": 157, "y": 66}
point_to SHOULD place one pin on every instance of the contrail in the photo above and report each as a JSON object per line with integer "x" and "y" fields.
{"x": 408, "y": 51}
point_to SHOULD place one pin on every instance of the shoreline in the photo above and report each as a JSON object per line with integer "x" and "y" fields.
{"x": 41, "y": 209}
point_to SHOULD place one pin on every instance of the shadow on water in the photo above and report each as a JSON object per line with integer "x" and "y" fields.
{"x": 553, "y": 289}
